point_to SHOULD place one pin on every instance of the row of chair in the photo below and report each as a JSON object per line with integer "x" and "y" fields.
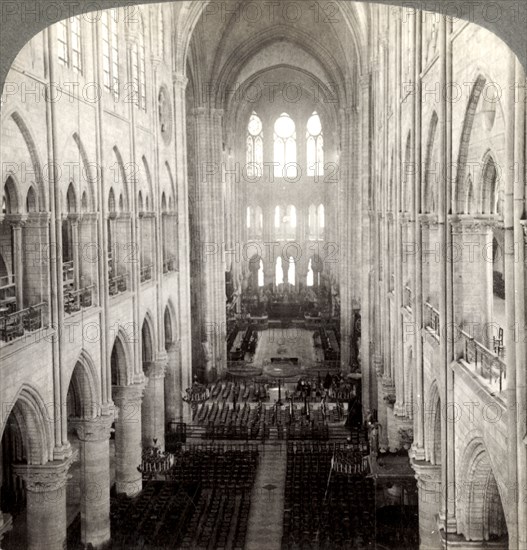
{"x": 322, "y": 508}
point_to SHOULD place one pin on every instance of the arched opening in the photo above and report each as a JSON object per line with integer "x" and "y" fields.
{"x": 279, "y": 272}
{"x": 481, "y": 515}
{"x": 254, "y": 146}
{"x": 315, "y": 146}
{"x": 9, "y": 199}
{"x": 291, "y": 272}
{"x": 84, "y": 202}
{"x": 88, "y": 495}
{"x": 23, "y": 443}
{"x": 31, "y": 200}
{"x": 167, "y": 328}
{"x": 434, "y": 427}
{"x": 310, "y": 275}
{"x": 285, "y": 147}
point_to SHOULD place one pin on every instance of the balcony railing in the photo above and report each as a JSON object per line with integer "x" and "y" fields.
{"x": 75, "y": 300}
{"x": 146, "y": 273}
{"x": 169, "y": 264}
{"x": 7, "y": 281}
{"x": 118, "y": 284}
{"x": 486, "y": 363}
{"x": 67, "y": 271}
{"x": 16, "y": 324}
{"x": 432, "y": 318}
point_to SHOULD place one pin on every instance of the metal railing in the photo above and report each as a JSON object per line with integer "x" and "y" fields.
{"x": 7, "y": 281}
{"x": 75, "y": 300}
{"x": 17, "y": 323}
{"x": 67, "y": 271}
{"x": 486, "y": 363}
{"x": 118, "y": 284}
{"x": 146, "y": 273}
{"x": 432, "y": 319}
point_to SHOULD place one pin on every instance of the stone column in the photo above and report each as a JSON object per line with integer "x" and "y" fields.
{"x": 382, "y": 411}
{"x": 210, "y": 203}
{"x": 429, "y": 487}
{"x": 173, "y": 386}
{"x": 94, "y": 453}
{"x": 153, "y": 414}
{"x": 18, "y": 253}
{"x": 128, "y": 438}
{"x": 418, "y": 450}
{"x": 46, "y": 503}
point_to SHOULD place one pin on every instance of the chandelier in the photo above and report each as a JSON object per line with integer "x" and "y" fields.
{"x": 154, "y": 461}
{"x": 196, "y": 394}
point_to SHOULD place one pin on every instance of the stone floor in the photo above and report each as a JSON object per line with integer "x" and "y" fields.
{"x": 264, "y": 531}
{"x": 287, "y": 342}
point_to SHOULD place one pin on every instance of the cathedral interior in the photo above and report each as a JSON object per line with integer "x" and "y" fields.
{"x": 262, "y": 281}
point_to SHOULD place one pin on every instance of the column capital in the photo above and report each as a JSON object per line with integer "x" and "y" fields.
{"x": 427, "y": 219}
{"x": 364, "y": 79}
{"x": 88, "y": 216}
{"x": 15, "y": 220}
{"x": 471, "y": 225}
{"x": 179, "y": 80}
{"x": 215, "y": 112}
{"x": 51, "y": 476}
{"x": 155, "y": 369}
{"x": 93, "y": 429}
{"x": 404, "y": 218}
{"x": 426, "y": 473}
{"x": 38, "y": 218}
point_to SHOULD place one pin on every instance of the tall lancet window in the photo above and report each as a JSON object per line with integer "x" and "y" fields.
{"x": 110, "y": 52}
{"x": 291, "y": 272}
{"x": 254, "y": 155}
{"x": 310, "y": 277}
{"x": 285, "y": 147}
{"x": 138, "y": 68}
{"x": 279, "y": 272}
{"x": 261, "y": 274}
{"x": 69, "y": 43}
{"x": 315, "y": 146}
{"x": 321, "y": 221}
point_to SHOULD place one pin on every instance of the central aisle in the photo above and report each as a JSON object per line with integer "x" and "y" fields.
{"x": 264, "y": 531}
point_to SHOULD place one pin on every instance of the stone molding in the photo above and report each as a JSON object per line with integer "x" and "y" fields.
{"x": 51, "y": 476}
{"x": 470, "y": 225}
{"x": 179, "y": 80}
{"x": 93, "y": 429}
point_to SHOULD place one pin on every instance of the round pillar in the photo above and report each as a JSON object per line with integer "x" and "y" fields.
{"x": 94, "y": 452}
{"x": 153, "y": 415}
{"x": 128, "y": 399}
{"x": 429, "y": 486}
{"x": 46, "y": 503}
